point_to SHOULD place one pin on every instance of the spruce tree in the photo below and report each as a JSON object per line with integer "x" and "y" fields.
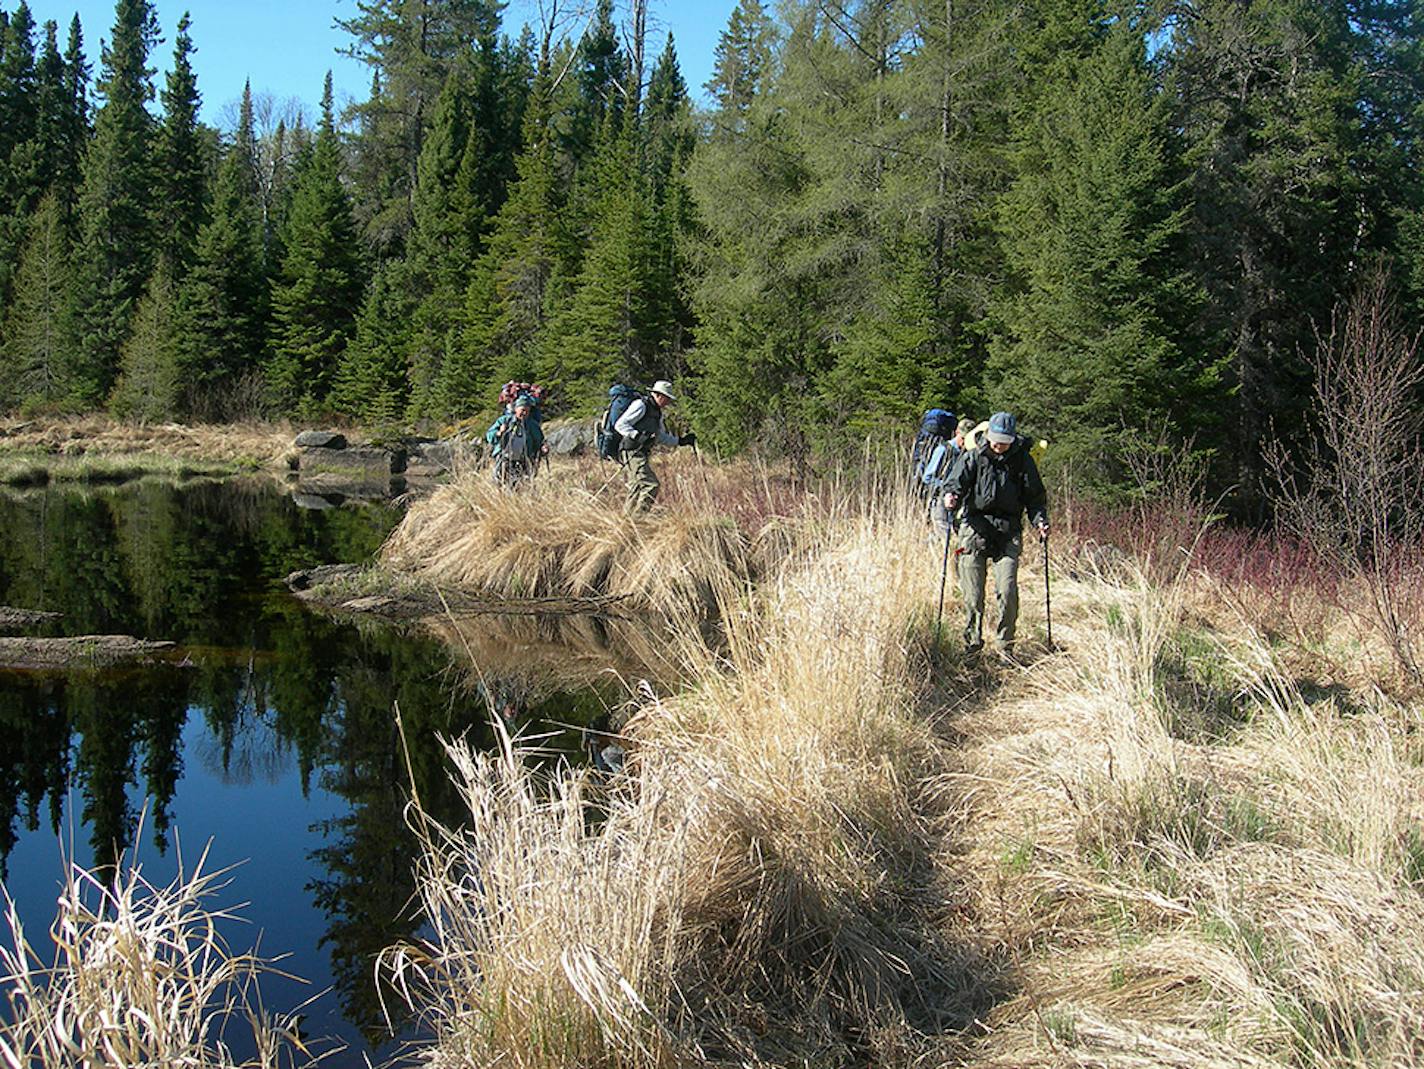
{"x": 1092, "y": 232}
{"x": 179, "y": 158}
{"x": 742, "y": 61}
{"x": 69, "y": 175}
{"x": 37, "y": 332}
{"x": 319, "y": 290}
{"x": 20, "y": 186}
{"x": 372, "y": 381}
{"x": 151, "y": 373}
{"x": 118, "y": 201}
{"x": 225, "y": 298}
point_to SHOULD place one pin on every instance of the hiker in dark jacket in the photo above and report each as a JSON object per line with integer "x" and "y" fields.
{"x": 641, "y": 428}
{"x": 997, "y": 482}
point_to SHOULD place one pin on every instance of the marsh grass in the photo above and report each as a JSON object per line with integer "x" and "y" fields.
{"x": 136, "y": 974}
{"x": 568, "y": 538}
{"x": 30, "y": 468}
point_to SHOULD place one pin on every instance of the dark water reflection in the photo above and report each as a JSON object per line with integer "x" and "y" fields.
{"x": 272, "y": 733}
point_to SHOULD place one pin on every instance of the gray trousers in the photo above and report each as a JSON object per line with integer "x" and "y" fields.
{"x": 973, "y": 570}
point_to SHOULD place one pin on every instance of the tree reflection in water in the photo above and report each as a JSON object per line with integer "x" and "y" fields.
{"x": 272, "y": 687}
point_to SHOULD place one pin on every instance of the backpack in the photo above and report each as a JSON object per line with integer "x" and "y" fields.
{"x": 607, "y": 440}
{"x": 936, "y": 426}
{"x": 512, "y": 391}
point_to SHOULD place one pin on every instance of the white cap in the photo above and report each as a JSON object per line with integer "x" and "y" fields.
{"x": 664, "y": 387}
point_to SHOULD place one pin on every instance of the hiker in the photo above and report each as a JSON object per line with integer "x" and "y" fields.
{"x": 516, "y": 443}
{"x": 937, "y": 471}
{"x": 639, "y": 428}
{"x": 936, "y": 430}
{"x": 996, "y": 483}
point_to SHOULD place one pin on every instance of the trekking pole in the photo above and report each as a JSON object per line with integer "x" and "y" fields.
{"x": 943, "y": 576}
{"x": 1047, "y": 596}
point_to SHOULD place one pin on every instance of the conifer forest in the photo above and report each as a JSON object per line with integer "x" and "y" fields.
{"x": 1123, "y": 221}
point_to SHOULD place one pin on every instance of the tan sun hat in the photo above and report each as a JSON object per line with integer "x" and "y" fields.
{"x": 664, "y": 387}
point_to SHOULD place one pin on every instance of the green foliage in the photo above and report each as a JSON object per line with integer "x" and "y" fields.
{"x": 179, "y": 155}
{"x": 151, "y": 371}
{"x": 37, "y": 333}
{"x": 1091, "y": 229}
{"x": 372, "y": 381}
{"x": 224, "y": 299}
{"x": 318, "y": 293}
{"x": 117, "y": 202}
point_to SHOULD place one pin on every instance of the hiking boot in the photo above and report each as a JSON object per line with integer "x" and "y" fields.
{"x": 1006, "y": 655}
{"x": 972, "y": 650}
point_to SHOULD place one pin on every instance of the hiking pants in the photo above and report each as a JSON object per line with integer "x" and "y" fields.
{"x": 643, "y": 483}
{"x": 974, "y": 557}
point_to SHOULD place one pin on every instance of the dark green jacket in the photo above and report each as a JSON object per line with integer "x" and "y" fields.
{"x": 996, "y": 490}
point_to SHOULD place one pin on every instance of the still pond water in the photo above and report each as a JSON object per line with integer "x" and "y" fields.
{"x": 271, "y": 735}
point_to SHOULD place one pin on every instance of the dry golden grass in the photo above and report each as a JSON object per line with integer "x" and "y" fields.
{"x": 139, "y": 976}
{"x": 1158, "y": 844}
{"x": 564, "y": 538}
{"x": 259, "y": 443}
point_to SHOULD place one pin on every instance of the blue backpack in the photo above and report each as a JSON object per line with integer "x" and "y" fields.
{"x": 607, "y": 440}
{"x": 936, "y": 426}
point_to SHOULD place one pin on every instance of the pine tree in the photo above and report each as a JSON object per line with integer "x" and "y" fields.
{"x": 372, "y": 382}
{"x": 225, "y": 300}
{"x": 37, "y": 335}
{"x": 117, "y": 202}
{"x": 319, "y": 291}
{"x": 151, "y": 373}
{"x": 506, "y": 304}
{"x": 74, "y": 139}
{"x": 607, "y": 331}
{"x": 1092, "y": 231}
{"x": 17, "y": 97}
{"x": 179, "y": 158}
{"x": 742, "y": 61}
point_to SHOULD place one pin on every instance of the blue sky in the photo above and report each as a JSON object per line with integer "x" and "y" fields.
{"x": 286, "y": 46}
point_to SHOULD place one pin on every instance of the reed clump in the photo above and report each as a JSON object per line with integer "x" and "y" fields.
{"x": 565, "y": 539}
{"x": 136, "y": 974}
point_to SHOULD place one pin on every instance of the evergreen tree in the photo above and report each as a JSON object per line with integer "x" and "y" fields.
{"x": 670, "y": 138}
{"x": 117, "y": 201}
{"x": 1092, "y": 231}
{"x": 17, "y": 96}
{"x": 506, "y": 304}
{"x": 182, "y": 168}
{"x": 411, "y": 47}
{"x": 37, "y": 335}
{"x": 74, "y": 138}
{"x": 224, "y": 301}
{"x": 1297, "y": 123}
{"x": 319, "y": 290}
{"x": 372, "y": 381}
{"x": 151, "y": 372}
{"x": 51, "y": 114}
{"x": 607, "y": 331}
{"x": 19, "y": 177}
{"x": 742, "y": 61}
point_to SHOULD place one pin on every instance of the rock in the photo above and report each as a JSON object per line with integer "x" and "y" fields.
{"x": 569, "y": 439}
{"x": 307, "y": 578}
{"x": 439, "y": 458}
{"x": 321, "y": 440}
{"x": 316, "y": 502}
{"x": 361, "y": 464}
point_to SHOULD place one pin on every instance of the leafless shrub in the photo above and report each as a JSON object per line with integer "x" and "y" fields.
{"x": 1356, "y": 488}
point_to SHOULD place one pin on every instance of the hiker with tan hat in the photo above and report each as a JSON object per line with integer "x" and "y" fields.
{"x": 640, "y": 427}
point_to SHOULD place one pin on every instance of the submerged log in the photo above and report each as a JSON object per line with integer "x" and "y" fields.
{"x": 17, "y": 619}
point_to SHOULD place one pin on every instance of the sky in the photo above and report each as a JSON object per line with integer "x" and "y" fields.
{"x": 286, "y": 46}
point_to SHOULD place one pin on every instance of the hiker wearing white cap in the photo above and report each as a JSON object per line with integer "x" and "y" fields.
{"x": 997, "y": 482}
{"x": 640, "y": 428}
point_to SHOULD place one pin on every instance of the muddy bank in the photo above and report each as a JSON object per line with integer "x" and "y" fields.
{"x": 81, "y": 651}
